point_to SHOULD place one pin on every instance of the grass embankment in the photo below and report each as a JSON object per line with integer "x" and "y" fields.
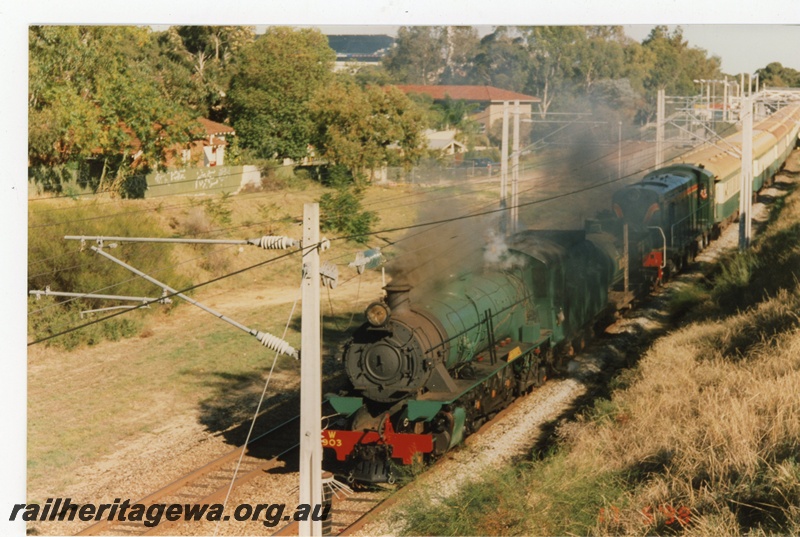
{"x": 700, "y": 437}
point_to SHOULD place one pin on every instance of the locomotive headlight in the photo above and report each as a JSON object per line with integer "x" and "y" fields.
{"x": 377, "y": 314}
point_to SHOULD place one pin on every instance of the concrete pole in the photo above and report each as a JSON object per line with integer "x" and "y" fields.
{"x": 515, "y": 173}
{"x": 619, "y": 149}
{"x": 660, "y": 120}
{"x": 725, "y": 101}
{"x": 311, "y": 374}
{"x": 504, "y": 171}
{"x": 746, "y": 181}
{"x": 741, "y": 95}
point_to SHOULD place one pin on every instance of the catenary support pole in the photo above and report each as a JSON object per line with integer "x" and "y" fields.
{"x": 725, "y": 100}
{"x": 660, "y": 120}
{"x": 619, "y": 149}
{"x": 504, "y": 171}
{"x": 311, "y": 374}
{"x": 746, "y": 182}
{"x": 515, "y": 173}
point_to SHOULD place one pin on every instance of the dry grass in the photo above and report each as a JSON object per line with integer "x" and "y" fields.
{"x": 700, "y": 438}
{"x": 711, "y": 423}
{"x": 705, "y": 438}
{"x": 708, "y": 428}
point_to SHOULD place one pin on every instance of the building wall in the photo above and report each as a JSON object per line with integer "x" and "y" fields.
{"x": 494, "y": 112}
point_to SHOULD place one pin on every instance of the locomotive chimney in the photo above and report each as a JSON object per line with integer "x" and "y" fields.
{"x": 398, "y": 296}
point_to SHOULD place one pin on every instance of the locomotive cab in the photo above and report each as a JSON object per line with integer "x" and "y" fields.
{"x": 669, "y": 214}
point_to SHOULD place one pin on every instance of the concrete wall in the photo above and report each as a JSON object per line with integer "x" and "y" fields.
{"x": 213, "y": 180}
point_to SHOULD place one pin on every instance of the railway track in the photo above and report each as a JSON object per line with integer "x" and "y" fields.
{"x": 210, "y": 484}
{"x": 349, "y": 512}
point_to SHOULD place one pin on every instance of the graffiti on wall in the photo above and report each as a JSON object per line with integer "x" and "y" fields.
{"x": 200, "y": 180}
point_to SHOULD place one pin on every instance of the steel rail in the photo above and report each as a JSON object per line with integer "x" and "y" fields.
{"x": 196, "y": 476}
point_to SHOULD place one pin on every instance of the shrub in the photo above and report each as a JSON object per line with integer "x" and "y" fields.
{"x": 65, "y": 266}
{"x": 48, "y": 317}
{"x": 341, "y": 209}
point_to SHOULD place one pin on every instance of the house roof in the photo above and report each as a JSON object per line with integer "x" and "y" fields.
{"x": 215, "y": 129}
{"x": 442, "y": 139}
{"x": 359, "y": 45}
{"x": 469, "y": 93}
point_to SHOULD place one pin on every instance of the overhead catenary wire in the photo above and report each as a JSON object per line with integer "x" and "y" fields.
{"x": 375, "y": 233}
{"x": 170, "y": 295}
{"x": 255, "y": 414}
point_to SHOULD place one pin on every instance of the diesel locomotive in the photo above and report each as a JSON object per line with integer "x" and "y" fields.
{"x": 673, "y": 212}
{"x": 427, "y": 373}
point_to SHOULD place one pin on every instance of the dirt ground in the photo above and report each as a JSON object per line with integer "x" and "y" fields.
{"x": 159, "y": 434}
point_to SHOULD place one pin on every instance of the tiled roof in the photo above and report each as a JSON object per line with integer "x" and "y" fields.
{"x": 469, "y": 93}
{"x": 215, "y": 129}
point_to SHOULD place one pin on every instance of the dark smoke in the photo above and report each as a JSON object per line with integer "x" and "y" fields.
{"x": 428, "y": 259}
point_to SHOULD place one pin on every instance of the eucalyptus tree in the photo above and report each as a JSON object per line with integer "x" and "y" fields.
{"x": 777, "y": 76}
{"x": 209, "y": 54}
{"x": 501, "y": 60}
{"x": 418, "y": 55}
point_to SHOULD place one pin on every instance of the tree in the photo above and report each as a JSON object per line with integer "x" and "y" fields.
{"x": 462, "y": 44}
{"x": 601, "y": 55}
{"x": 94, "y": 93}
{"x": 419, "y": 55}
{"x": 276, "y": 77}
{"x": 777, "y": 76}
{"x": 673, "y": 66}
{"x": 501, "y": 61}
{"x": 454, "y": 113}
{"x": 555, "y": 53}
{"x": 364, "y": 129}
{"x": 341, "y": 210}
{"x": 206, "y": 55}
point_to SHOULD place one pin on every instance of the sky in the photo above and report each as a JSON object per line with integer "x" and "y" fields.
{"x": 746, "y": 35}
{"x": 743, "y": 48}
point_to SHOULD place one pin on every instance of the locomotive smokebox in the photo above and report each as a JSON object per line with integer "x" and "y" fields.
{"x": 398, "y": 297}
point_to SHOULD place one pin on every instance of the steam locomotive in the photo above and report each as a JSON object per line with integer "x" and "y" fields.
{"x": 425, "y": 374}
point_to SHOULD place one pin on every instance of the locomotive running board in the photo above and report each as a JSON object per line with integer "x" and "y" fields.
{"x": 511, "y": 352}
{"x": 441, "y": 381}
